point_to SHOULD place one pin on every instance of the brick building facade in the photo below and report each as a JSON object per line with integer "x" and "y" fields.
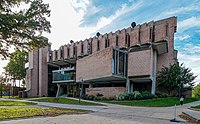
{"x": 123, "y": 61}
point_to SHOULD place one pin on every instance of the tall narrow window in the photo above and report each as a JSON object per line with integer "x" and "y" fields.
{"x": 127, "y": 40}
{"x": 117, "y": 42}
{"x": 56, "y": 56}
{"x": 167, "y": 30}
{"x": 107, "y": 44}
{"x": 150, "y": 33}
{"x": 74, "y": 50}
{"x": 50, "y": 56}
{"x": 89, "y": 47}
{"x": 61, "y": 52}
{"x": 82, "y": 48}
{"x": 98, "y": 48}
{"x": 68, "y": 51}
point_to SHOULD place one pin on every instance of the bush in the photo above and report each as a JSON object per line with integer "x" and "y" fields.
{"x": 121, "y": 96}
{"x": 90, "y": 97}
{"x": 161, "y": 95}
{"x": 99, "y": 95}
{"x": 136, "y": 95}
{"x": 147, "y": 95}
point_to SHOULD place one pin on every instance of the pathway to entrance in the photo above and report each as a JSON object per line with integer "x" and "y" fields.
{"x": 111, "y": 114}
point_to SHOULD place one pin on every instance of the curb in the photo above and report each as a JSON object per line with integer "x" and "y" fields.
{"x": 195, "y": 119}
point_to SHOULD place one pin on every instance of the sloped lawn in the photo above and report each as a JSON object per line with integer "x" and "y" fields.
{"x": 10, "y": 113}
{"x": 15, "y": 103}
{"x": 64, "y": 101}
{"x": 160, "y": 102}
{"x": 196, "y": 107}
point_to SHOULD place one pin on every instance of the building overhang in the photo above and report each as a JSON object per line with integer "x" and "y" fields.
{"x": 63, "y": 81}
{"x": 161, "y": 47}
{"x": 106, "y": 79}
{"x": 141, "y": 79}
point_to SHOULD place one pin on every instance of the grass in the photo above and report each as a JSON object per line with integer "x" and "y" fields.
{"x": 10, "y": 97}
{"x": 15, "y": 103}
{"x": 10, "y": 113}
{"x": 64, "y": 101}
{"x": 196, "y": 107}
{"x": 160, "y": 102}
{"x": 16, "y": 97}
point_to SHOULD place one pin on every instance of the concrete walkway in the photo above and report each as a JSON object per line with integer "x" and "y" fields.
{"x": 114, "y": 114}
{"x": 191, "y": 113}
{"x": 60, "y": 105}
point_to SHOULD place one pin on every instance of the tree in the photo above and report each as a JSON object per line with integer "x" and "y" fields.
{"x": 16, "y": 65}
{"x": 2, "y": 81}
{"x": 176, "y": 77}
{"x": 22, "y": 23}
{"x": 196, "y": 91}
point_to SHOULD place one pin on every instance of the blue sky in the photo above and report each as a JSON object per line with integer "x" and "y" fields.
{"x": 118, "y": 14}
{"x": 80, "y": 19}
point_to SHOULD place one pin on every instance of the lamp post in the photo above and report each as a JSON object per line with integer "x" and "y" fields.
{"x": 80, "y": 89}
{"x": 128, "y": 49}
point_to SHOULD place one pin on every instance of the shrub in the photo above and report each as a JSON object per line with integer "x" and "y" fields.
{"x": 161, "y": 95}
{"x": 99, "y": 94}
{"x": 90, "y": 97}
{"x": 147, "y": 95}
{"x": 121, "y": 96}
{"x": 136, "y": 95}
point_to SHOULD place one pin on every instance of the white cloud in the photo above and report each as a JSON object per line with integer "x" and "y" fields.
{"x": 103, "y": 21}
{"x": 192, "y": 49}
{"x": 188, "y": 23}
{"x": 193, "y": 7}
{"x": 182, "y": 37}
{"x": 191, "y": 61}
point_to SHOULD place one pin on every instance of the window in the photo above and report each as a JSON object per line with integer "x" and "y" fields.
{"x": 56, "y": 55}
{"x": 127, "y": 38}
{"x": 151, "y": 33}
{"x": 90, "y": 47}
{"x": 74, "y": 50}
{"x": 68, "y": 51}
{"x": 61, "y": 52}
{"x": 107, "y": 44}
{"x": 119, "y": 63}
{"x": 50, "y": 56}
{"x": 98, "y": 47}
{"x": 167, "y": 30}
{"x": 117, "y": 42}
{"x": 82, "y": 47}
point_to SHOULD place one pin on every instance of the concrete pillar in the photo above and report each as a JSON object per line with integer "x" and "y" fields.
{"x": 90, "y": 85}
{"x": 131, "y": 87}
{"x": 32, "y": 75}
{"x": 127, "y": 85}
{"x": 43, "y": 72}
{"x": 153, "y": 89}
{"x": 58, "y": 90}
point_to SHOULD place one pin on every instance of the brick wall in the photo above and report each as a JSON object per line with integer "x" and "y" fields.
{"x": 139, "y": 63}
{"x": 95, "y": 65}
{"x": 108, "y": 92}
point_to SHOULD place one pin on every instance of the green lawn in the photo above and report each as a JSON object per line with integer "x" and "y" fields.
{"x": 10, "y": 113}
{"x": 160, "y": 102}
{"x": 64, "y": 101}
{"x": 10, "y": 97}
{"x": 196, "y": 107}
{"x": 15, "y": 103}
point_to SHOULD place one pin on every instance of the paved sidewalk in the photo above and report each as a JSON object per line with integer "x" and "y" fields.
{"x": 82, "y": 107}
{"x": 192, "y": 113}
{"x": 60, "y": 105}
